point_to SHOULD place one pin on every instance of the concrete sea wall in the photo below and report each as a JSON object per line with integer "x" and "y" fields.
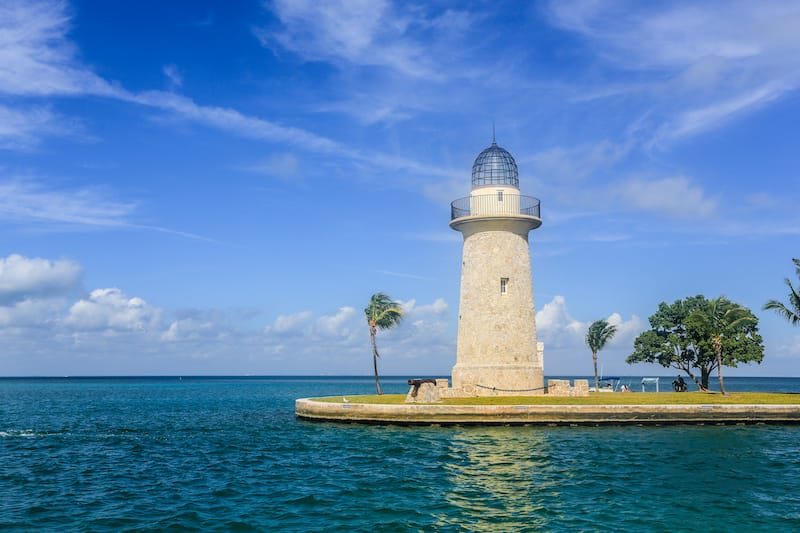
{"x": 408, "y": 414}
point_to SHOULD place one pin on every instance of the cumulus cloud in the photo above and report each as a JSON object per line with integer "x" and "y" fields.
{"x": 22, "y": 277}
{"x": 337, "y": 325}
{"x": 627, "y": 330}
{"x": 411, "y": 309}
{"x": 293, "y": 324}
{"x": 565, "y": 344}
{"x": 30, "y": 313}
{"x": 555, "y": 326}
{"x": 112, "y": 309}
{"x": 186, "y": 329}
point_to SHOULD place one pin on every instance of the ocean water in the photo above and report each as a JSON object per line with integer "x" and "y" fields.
{"x": 228, "y": 454}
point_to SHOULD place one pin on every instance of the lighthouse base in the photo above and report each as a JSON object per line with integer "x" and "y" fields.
{"x": 497, "y": 380}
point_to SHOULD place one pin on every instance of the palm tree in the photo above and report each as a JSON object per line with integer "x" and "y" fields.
{"x": 721, "y": 319}
{"x": 600, "y": 332}
{"x": 792, "y": 311}
{"x": 382, "y": 313}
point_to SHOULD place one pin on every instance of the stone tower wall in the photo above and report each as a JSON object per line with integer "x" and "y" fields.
{"x": 497, "y": 349}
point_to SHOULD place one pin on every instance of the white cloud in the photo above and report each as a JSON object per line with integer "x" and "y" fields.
{"x": 231, "y": 120}
{"x": 294, "y": 324}
{"x": 555, "y": 326}
{"x": 186, "y": 329}
{"x": 362, "y": 32}
{"x": 22, "y": 277}
{"x": 575, "y": 163}
{"x": 173, "y": 75}
{"x": 282, "y": 166}
{"x": 564, "y": 340}
{"x": 340, "y": 324}
{"x": 411, "y": 310}
{"x": 703, "y": 63}
{"x": 31, "y": 312}
{"x": 36, "y": 58}
{"x": 112, "y": 309}
{"x": 30, "y": 201}
{"x": 676, "y": 197}
{"x": 696, "y": 120}
{"x": 677, "y": 35}
{"x": 627, "y": 330}
{"x": 21, "y": 128}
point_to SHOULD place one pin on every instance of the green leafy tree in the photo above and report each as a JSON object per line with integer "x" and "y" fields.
{"x": 790, "y": 312}
{"x": 382, "y": 313}
{"x": 674, "y": 342}
{"x": 599, "y": 333}
{"x": 730, "y": 327}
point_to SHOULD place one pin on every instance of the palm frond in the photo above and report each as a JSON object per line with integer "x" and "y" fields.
{"x": 382, "y": 311}
{"x": 599, "y": 333}
{"x": 790, "y": 312}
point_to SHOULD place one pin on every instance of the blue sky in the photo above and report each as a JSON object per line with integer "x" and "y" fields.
{"x": 218, "y": 188}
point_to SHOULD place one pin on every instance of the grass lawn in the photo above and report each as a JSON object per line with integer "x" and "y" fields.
{"x": 596, "y": 398}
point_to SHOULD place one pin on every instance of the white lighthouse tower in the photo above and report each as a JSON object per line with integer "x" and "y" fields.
{"x": 497, "y": 353}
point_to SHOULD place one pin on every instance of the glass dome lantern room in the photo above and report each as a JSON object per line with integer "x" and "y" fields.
{"x": 495, "y": 166}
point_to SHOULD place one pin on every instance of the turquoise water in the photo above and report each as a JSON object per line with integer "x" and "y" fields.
{"x": 226, "y": 454}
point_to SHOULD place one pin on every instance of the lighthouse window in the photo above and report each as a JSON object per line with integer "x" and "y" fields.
{"x": 499, "y": 196}
{"x": 503, "y": 285}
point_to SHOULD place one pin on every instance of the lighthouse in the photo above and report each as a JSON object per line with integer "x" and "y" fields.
{"x": 497, "y": 352}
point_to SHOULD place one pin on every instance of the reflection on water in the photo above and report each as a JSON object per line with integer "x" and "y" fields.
{"x": 501, "y": 477}
{"x": 681, "y": 478}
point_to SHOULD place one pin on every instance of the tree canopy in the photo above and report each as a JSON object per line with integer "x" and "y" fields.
{"x": 723, "y": 321}
{"x": 675, "y": 341}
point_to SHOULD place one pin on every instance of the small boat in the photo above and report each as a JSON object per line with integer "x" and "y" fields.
{"x": 608, "y": 384}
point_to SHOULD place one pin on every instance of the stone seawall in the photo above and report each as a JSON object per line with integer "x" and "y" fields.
{"x": 424, "y": 414}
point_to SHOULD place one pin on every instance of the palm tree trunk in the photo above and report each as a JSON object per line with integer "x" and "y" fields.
{"x": 375, "y": 358}
{"x": 596, "y": 381}
{"x": 718, "y": 350}
{"x": 719, "y": 374}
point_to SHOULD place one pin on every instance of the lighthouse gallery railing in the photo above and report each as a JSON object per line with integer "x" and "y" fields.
{"x": 495, "y": 205}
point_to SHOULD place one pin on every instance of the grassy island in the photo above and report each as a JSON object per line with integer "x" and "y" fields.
{"x": 636, "y": 398}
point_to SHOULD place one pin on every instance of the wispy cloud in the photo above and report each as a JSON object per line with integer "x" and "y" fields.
{"x": 28, "y": 201}
{"x": 21, "y": 128}
{"x": 362, "y": 32}
{"x": 401, "y": 274}
{"x": 24, "y": 200}
{"x": 173, "y": 75}
{"x": 675, "y": 196}
{"x": 694, "y": 121}
{"x": 36, "y": 56}
{"x": 701, "y": 63}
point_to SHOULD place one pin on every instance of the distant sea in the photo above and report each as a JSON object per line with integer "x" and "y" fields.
{"x": 228, "y": 454}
